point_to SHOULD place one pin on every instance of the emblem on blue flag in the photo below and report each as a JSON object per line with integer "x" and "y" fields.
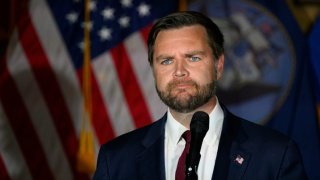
{"x": 259, "y": 58}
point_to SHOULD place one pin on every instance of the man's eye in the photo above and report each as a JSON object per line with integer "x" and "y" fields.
{"x": 194, "y": 59}
{"x": 166, "y": 61}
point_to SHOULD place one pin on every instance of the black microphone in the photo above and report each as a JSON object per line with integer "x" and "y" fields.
{"x": 199, "y": 126}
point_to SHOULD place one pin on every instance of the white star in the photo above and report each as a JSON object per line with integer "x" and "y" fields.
{"x": 72, "y": 17}
{"x": 124, "y": 21}
{"x": 144, "y": 9}
{"x": 89, "y": 24}
{"x": 108, "y": 13}
{"x": 81, "y": 45}
{"x": 126, "y": 3}
{"x": 105, "y": 33}
{"x": 93, "y": 5}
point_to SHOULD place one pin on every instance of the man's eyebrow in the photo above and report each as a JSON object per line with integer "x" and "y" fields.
{"x": 196, "y": 52}
{"x": 163, "y": 56}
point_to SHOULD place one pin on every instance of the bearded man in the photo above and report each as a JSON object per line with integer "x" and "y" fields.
{"x": 186, "y": 54}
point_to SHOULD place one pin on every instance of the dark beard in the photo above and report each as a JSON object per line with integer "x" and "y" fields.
{"x": 203, "y": 95}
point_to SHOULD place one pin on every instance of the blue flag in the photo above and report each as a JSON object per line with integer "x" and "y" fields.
{"x": 297, "y": 117}
{"x": 267, "y": 77}
{"x": 314, "y": 39}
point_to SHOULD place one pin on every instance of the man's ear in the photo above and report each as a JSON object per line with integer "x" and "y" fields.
{"x": 219, "y": 66}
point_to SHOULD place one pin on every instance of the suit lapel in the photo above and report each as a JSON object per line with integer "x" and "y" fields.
{"x": 232, "y": 159}
{"x": 150, "y": 161}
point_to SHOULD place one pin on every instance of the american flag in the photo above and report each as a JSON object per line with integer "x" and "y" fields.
{"x": 41, "y": 100}
{"x": 239, "y": 160}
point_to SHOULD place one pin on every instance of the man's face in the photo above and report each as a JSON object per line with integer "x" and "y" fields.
{"x": 184, "y": 68}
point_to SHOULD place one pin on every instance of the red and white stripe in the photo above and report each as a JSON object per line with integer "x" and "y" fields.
{"x": 41, "y": 99}
{"x": 13, "y": 163}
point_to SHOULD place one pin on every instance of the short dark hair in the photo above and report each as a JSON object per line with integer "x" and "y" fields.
{"x": 183, "y": 19}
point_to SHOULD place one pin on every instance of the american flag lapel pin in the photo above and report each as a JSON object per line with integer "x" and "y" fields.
{"x": 239, "y": 159}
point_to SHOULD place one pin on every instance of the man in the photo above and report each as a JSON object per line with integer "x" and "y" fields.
{"x": 185, "y": 51}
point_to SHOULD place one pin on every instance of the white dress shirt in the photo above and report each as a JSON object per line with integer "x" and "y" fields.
{"x": 174, "y": 144}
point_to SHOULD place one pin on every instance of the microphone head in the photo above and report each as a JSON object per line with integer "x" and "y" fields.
{"x": 199, "y": 122}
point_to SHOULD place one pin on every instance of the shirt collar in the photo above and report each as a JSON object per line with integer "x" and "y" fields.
{"x": 215, "y": 125}
{"x": 175, "y": 129}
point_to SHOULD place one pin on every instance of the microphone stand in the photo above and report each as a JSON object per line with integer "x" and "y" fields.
{"x": 192, "y": 167}
{"x": 199, "y": 126}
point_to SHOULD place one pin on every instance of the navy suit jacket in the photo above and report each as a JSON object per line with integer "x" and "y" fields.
{"x": 263, "y": 154}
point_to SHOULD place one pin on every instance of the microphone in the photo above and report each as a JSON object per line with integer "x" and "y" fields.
{"x": 199, "y": 126}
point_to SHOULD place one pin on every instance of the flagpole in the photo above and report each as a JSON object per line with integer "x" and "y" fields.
{"x": 86, "y": 155}
{"x": 183, "y": 5}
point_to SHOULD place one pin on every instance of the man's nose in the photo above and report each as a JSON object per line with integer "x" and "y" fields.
{"x": 180, "y": 69}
